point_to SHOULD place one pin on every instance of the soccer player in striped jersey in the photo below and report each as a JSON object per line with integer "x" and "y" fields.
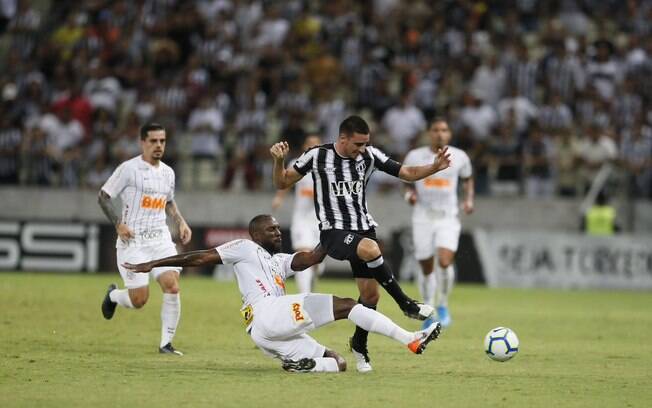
{"x": 145, "y": 185}
{"x": 340, "y": 172}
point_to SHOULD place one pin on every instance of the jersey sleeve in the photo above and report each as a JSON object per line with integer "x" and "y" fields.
{"x": 117, "y": 182}
{"x": 304, "y": 163}
{"x": 383, "y": 163}
{"x": 170, "y": 196}
{"x": 234, "y": 251}
{"x": 286, "y": 260}
{"x": 466, "y": 170}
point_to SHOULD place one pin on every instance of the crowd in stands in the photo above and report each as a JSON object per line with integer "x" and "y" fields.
{"x": 541, "y": 94}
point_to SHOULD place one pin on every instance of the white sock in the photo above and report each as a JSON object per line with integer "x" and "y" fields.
{"x": 429, "y": 288}
{"x": 376, "y": 322}
{"x": 170, "y": 312}
{"x": 121, "y": 297}
{"x": 326, "y": 365}
{"x": 304, "y": 279}
{"x": 445, "y": 281}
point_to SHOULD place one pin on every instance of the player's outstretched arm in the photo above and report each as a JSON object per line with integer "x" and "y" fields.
{"x": 283, "y": 178}
{"x": 413, "y": 173}
{"x": 468, "y": 186}
{"x": 192, "y": 258}
{"x": 104, "y": 200}
{"x": 172, "y": 211}
{"x": 305, "y": 259}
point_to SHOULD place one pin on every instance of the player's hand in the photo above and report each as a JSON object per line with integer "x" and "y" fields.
{"x": 141, "y": 267}
{"x": 410, "y": 197}
{"x": 467, "y": 206}
{"x": 279, "y": 150}
{"x": 185, "y": 233}
{"x": 124, "y": 232}
{"x": 442, "y": 160}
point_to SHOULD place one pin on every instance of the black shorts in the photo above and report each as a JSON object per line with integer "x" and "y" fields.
{"x": 343, "y": 245}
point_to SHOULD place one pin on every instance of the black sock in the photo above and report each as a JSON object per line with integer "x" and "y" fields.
{"x": 384, "y": 276}
{"x": 359, "y": 339}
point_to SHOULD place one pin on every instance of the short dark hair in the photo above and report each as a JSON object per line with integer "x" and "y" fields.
{"x": 354, "y": 124}
{"x": 149, "y": 127}
{"x": 437, "y": 119}
{"x": 254, "y": 224}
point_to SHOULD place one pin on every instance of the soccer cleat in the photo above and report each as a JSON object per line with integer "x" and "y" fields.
{"x": 168, "y": 349}
{"x": 419, "y": 311}
{"x": 444, "y": 316}
{"x": 108, "y": 306}
{"x": 305, "y": 365}
{"x": 427, "y": 322}
{"x": 361, "y": 357}
{"x": 424, "y": 337}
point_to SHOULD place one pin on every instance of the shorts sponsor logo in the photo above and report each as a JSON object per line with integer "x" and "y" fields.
{"x": 348, "y": 239}
{"x": 152, "y": 203}
{"x": 296, "y": 310}
{"x": 247, "y": 313}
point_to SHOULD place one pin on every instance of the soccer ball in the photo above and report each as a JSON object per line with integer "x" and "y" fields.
{"x": 501, "y": 344}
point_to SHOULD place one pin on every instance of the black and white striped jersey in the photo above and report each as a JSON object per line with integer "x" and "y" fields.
{"x": 340, "y": 185}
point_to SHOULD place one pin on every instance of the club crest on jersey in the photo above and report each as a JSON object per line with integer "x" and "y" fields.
{"x": 346, "y": 188}
{"x": 360, "y": 166}
{"x": 297, "y": 313}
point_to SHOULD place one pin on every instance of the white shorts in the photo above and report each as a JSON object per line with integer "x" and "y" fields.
{"x": 305, "y": 235}
{"x": 281, "y": 324}
{"x": 138, "y": 254}
{"x": 429, "y": 234}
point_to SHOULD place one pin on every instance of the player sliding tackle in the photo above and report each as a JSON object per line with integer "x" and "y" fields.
{"x": 279, "y": 323}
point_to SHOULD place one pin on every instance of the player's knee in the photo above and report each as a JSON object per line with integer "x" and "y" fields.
{"x": 445, "y": 261}
{"x": 368, "y": 250}
{"x": 138, "y": 301}
{"x": 341, "y": 364}
{"x": 172, "y": 289}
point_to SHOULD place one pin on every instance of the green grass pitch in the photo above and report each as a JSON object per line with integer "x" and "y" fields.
{"x": 578, "y": 349}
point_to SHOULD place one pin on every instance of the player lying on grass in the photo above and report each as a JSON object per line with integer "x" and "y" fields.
{"x": 279, "y": 323}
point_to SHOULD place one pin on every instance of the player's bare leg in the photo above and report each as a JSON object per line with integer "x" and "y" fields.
{"x": 170, "y": 310}
{"x": 445, "y": 275}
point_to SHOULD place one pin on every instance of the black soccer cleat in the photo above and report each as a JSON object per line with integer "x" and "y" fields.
{"x": 108, "y": 306}
{"x": 419, "y": 311}
{"x": 305, "y": 365}
{"x": 168, "y": 349}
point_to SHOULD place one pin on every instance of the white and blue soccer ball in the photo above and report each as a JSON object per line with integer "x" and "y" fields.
{"x": 501, "y": 344}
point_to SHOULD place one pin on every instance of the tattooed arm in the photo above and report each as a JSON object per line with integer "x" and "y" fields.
{"x": 123, "y": 231}
{"x": 172, "y": 211}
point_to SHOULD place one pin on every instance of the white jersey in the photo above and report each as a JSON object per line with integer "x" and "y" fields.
{"x": 304, "y": 202}
{"x": 438, "y": 192}
{"x": 259, "y": 273}
{"x": 144, "y": 191}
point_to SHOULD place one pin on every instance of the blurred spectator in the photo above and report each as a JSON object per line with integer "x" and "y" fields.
{"x": 478, "y": 116}
{"x": 565, "y": 166}
{"x": 636, "y": 159}
{"x": 505, "y": 157}
{"x": 99, "y": 173}
{"x": 518, "y": 108}
{"x": 595, "y": 149}
{"x": 537, "y": 165}
{"x": 404, "y": 124}
{"x": 489, "y": 80}
{"x": 11, "y": 138}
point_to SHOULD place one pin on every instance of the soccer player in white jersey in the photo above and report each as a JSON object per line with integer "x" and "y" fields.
{"x": 435, "y": 221}
{"x": 304, "y": 229}
{"x": 145, "y": 185}
{"x": 279, "y": 323}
